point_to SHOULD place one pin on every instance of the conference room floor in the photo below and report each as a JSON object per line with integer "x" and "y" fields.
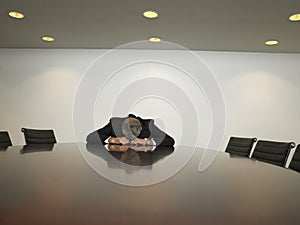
{"x": 73, "y": 183}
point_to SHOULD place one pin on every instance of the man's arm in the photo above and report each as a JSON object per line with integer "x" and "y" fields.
{"x": 142, "y": 141}
{"x": 99, "y": 136}
{"x": 118, "y": 140}
{"x": 160, "y": 137}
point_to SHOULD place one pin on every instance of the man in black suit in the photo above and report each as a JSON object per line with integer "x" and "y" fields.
{"x": 131, "y": 130}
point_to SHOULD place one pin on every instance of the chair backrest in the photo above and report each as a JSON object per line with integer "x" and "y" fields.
{"x": 35, "y": 136}
{"x": 4, "y": 140}
{"x": 240, "y": 146}
{"x": 295, "y": 162}
{"x": 273, "y": 152}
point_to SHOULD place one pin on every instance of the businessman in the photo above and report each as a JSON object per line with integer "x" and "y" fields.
{"x": 131, "y": 130}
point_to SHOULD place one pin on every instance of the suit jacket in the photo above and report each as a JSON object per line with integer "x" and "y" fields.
{"x": 113, "y": 129}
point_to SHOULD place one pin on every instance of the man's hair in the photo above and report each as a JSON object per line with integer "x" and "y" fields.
{"x": 131, "y": 128}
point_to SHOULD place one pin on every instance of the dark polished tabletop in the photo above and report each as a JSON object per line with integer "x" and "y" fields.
{"x": 82, "y": 184}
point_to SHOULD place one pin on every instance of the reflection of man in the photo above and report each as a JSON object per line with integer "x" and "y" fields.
{"x": 131, "y": 158}
{"x": 131, "y": 130}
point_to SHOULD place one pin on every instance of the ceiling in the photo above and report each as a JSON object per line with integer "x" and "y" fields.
{"x": 206, "y": 25}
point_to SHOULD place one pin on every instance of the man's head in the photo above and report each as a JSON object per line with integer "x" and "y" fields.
{"x": 131, "y": 128}
{"x": 131, "y": 157}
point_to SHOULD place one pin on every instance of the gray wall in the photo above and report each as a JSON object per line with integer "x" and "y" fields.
{"x": 260, "y": 92}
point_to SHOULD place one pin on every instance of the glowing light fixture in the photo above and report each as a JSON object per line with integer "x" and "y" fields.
{"x": 271, "y": 42}
{"x": 16, "y": 14}
{"x": 155, "y": 39}
{"x": 150, "y": 14}
{"x": 295, "y": 17}
{"x": 48, "y": 38}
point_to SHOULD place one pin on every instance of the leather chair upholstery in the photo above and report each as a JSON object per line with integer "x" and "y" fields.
{"x": 240, "y": 146}
{"x": 35, "y": 136}
{"x": 5, "y": 140}
{"x": 273, "y": 152}
{"x": 295, "y": 162}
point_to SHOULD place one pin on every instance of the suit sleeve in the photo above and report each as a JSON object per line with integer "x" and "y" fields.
{"x": 160, "y": 137}
{"x": 99, "y": 136}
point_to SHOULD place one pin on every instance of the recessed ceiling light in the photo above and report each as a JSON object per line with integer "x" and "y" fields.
{"x": 155, "y": 39}
{"x": 48, "y": 38}
{"x": 271, "y": 42}
{"x": 16, "y": 14}
{"x": 150, "y": 14}
{"x": 295, "y": 17}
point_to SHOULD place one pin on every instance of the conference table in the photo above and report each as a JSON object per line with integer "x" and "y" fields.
{"x": 77, "y": 183}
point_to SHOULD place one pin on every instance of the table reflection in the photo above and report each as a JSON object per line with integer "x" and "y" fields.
{"x": 36, "y": 148}
{"x": 131, "y": 154}
{"x": 131, "y": 166}
{"x": 4, "y": 147}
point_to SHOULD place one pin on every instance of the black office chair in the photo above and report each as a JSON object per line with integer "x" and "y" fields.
{"x": 240, "y": 146}
{"x": 295, "y": 162}
{"x": 5, "y": 141}
{"x": 35, "y": 136}
{"x": 273, "y": 152}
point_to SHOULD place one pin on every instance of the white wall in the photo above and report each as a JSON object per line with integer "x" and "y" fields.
{"x": 260, "y": 93}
